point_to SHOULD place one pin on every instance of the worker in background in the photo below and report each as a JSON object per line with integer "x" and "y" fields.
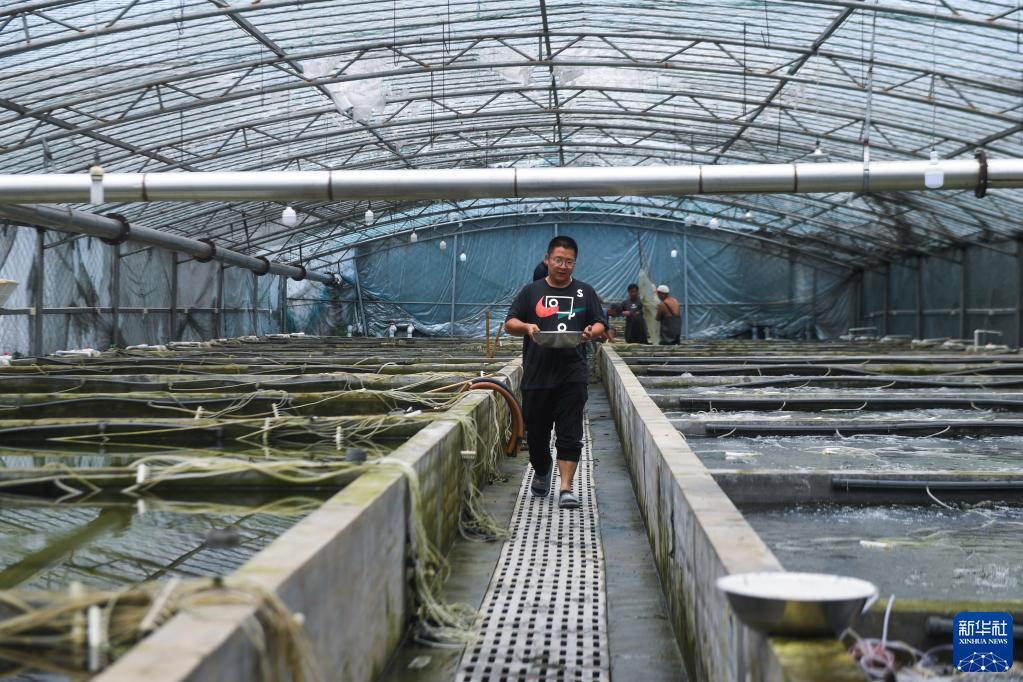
{"x": 632, "y": 310}
{"x": 392, "y": 329}
{"x": 669, "y": 315}
{"x": 554, "y": 379}
{"x": 409, "y": 329}
{"x": 610, "y": 334}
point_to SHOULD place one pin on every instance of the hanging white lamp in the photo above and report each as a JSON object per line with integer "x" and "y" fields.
{"x": 713, "y": 223}
{"x": 817, "y": 151}
{"x": 748, "y": 215}
{"x": 461, "y": 257}
{"x": 934, "y": 176}
{"x": 413, "y": 237}
{"x": 289, "y": 217}
{"x": 443, "y": 245}
{"x": 369, "y": 217}
{"x": 674, "y": 253}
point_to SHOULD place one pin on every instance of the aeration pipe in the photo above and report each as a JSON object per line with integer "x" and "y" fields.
{"x": 116, "y": 230}
{"x": 976, "y": 174}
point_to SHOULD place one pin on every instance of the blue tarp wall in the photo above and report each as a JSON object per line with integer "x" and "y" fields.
{"x": 732, "y": 285}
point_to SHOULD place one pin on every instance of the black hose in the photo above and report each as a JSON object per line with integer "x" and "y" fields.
{"x": 518, "y": 422}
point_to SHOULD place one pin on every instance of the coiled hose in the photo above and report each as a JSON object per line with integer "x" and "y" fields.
{"x": 518, "y": 423}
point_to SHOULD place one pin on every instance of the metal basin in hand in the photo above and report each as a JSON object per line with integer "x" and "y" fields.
{"x": 558, "y": 339}
{"x": 797, "y": 604}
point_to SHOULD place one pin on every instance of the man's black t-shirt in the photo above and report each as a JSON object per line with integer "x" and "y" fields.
{"x": 572, "y": 308}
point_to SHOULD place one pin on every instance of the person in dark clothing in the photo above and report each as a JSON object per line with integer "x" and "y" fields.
{"x": 554, "y": 380}
{"x": 540, "y": 271}
{"x": 635, "y": 324}
{"x": 668, "y": 314}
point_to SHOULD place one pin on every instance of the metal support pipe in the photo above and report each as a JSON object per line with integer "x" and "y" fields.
{"x": 282, "y": 305}
{"x": 963, "y": 276}
{"x": 919, "y": 297}
{"x": 115, "y": 296}
{"x": 459, "y": 183}
{"x": 813, "y": 306}
{"x": 364, "y": 324}
{"x": 81, "y": 222}
{"x": 887, "y": 300}
{"x": 37, "y": 295}
{"x": 1019, "y": 292}
{"x": 174, "y": 297}
{"x": 685, "y": 283}
{"x": 255, "y": 302}
{"x": 218, "y": 307}
{"x": 454, "y": 280}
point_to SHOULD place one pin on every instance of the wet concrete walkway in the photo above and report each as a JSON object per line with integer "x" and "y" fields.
{"x": 573, "y": 595}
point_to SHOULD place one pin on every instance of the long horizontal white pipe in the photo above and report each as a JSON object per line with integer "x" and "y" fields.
{"x": 65, "y": 219}
{"x": 506, "y": 182}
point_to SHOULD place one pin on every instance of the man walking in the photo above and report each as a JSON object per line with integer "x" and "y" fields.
{"x": 632, "y": 311}
{"x": 668, "y": 314}
{"x": 554, "y": 379}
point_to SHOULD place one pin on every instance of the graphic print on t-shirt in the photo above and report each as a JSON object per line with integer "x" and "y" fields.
{"x": 562, "y": 306}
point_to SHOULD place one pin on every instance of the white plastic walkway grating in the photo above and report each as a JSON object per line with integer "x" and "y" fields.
{"x": 543, "y": 617}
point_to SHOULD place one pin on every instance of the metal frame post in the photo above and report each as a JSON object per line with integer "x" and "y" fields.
{"x": 282, "y": 305}
{"x": 963, "y": 280}
{"x": 1019, "y": 292}
{"x": 886, "y": 299}
{"x": 454, "y": 280}
{"x": 919, "y": 297}
{"x": 358, "y": 294}
{"x": 255, "y": 303}
{"x": 174, "y": 298}
{"x": 115, "y": 296}
{"x": 685, "y": 283}
{"x": 37, "y": 295}
{"x": 812, "y": 332}
{"x": 857, "y": 298}
{"x": 218, "y": 310}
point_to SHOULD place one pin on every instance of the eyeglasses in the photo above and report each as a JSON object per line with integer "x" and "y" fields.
{"x": 563, "y": 262}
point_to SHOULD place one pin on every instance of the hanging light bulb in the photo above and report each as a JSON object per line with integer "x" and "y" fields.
{"x": 443, "y": 245}
{"x": 934, "y": 177}
{"x": 748, "y": 215}
{"x": 461, "y": 257}
{"x": 713, "y": 223}
{"x": 289, "y": 217}
{"x": 817, "y": 151}
{"x": 674, "y": 253}
{"x": 413, "y": 237}
{"x": 369, "y": 217}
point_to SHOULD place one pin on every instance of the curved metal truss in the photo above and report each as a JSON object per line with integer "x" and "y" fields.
{"x": 163, "y": 85}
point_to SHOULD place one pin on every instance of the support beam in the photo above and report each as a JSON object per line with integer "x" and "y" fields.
{"x": 887, "y": 300}
{"x": 115, "y": 296}
{"x": 37, "y": 293}
{"x": 685, "y": 283}
{"x": 255, "y": 305}
{"x": 454, "y": 280}
{"x": 81, "y": 222}
{"x": 919, "y": 297}
{"x": 1019, "y": 292}
{"x": 963, "y": 289}
{"x": 467, "y": 183}
{"x": 358, "y": 293}
{"x": 218, "y": 307}
{"x": 813, "y": 307}
{"x": 282, "y": 305}
{"x": 174, "y": 298}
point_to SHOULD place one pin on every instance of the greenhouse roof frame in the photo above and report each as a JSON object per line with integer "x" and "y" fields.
{"x": 204, "y": 85}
